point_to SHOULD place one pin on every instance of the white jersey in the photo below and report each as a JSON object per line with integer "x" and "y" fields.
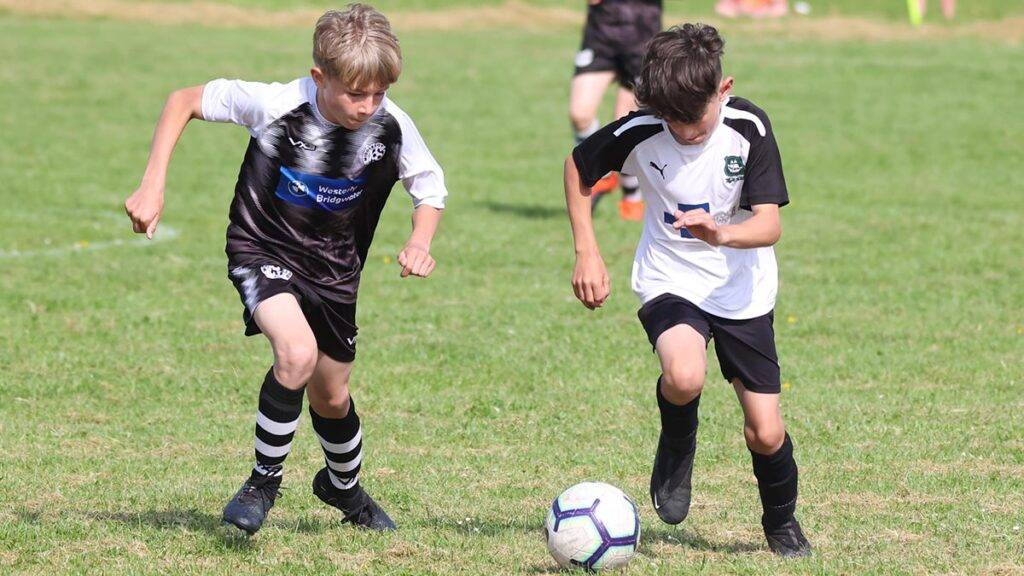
{"x": 737, "y": 167}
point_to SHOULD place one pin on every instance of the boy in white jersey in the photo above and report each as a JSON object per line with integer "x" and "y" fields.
{"x": 711, "y": 174}
{"x": 324, "y": 153}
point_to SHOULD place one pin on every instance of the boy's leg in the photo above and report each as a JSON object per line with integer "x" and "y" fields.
{"x": 679, "y": 332}
{"x": 280, "y": 318}
{"x": 337, "y": 426}
{"x": 749, "y": 360}
{"x": 771, "y": 451}
{"x": 585, "y": 95}
{"x": 631, "y": 207}
{"x": 681, "y": 350}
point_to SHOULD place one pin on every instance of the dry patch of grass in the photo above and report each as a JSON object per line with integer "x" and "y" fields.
{"x": 511, "y": 14}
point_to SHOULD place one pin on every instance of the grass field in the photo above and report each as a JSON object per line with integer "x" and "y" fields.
{"x": 127, "y": 390}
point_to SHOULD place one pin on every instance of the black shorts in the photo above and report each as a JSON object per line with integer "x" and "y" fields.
{"x": 745, "y": 348}
{"x": 615, "y": 39}
{"x": 333, "y": 323}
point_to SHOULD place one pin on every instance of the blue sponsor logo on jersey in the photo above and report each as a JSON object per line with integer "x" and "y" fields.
{"x": 320, "y": 192}
{"x": 670, "y": 218}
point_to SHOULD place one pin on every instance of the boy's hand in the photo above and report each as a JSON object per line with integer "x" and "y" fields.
{"x": 144, "y": 207}
{"x": 590, "y": 280}
{"x": 415, "y": 259}
{"x": 700, "y": 224}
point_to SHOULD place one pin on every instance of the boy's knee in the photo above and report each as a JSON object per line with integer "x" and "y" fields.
{"x": 683, "y": 383}
{"x": 581, "y": 120}
{"x": 764, "y": 439}
{"x": 295, "y": 362}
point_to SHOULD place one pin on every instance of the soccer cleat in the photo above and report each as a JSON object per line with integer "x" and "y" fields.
{"x": 670, "y": 478}
{"x": 601, "y": 188}
{"x": 359, "y": 509}
{"x": 606, "y": 184}
{"x": 249, "y": 506}
{"x": 787, "y": 540}
{"x": 632, "y": 210}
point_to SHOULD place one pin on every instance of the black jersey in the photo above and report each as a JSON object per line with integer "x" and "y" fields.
{"x": 309, "y": 192}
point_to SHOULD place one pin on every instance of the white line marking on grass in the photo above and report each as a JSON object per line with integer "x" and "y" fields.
{"x": 164, "y": 234}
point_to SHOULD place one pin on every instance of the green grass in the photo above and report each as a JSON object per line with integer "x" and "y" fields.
{"x": 127, "y": 390}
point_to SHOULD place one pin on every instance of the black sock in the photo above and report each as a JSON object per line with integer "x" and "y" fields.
{"x": 678, "y": 423}
{"x": 777, "y": 483}
{"x": 341, "y": 439}
{"x": 276, "y": 420}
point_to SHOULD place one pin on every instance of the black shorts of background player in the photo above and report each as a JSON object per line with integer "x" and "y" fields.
{"x": 705, "y": 267}
{"x": 614, "y": 38}
{"x": 324, "y": 153}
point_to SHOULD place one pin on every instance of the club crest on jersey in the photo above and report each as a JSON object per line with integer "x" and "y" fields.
{"x": 275, "y": 272}
{"x": 371, "y": 152}
{"x": 734, "y": 169}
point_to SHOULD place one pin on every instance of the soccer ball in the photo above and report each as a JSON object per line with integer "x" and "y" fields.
{"x": 592, "y": 525}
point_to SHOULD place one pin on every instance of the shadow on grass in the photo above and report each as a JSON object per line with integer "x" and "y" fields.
{"x": 688, "y": 539}
{"x": 189, "y": 519}
{"x": 530, "y": 211}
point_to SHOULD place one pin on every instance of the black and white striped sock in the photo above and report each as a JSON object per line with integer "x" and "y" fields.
{"x": 342, "y": 441}
{"x": 276, "y": 420}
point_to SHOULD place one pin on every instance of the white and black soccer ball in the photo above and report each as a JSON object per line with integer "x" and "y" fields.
{"x": 592, "y": 525}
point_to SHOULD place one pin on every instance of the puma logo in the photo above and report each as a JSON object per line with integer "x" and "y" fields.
{"x": 661, "y": 169}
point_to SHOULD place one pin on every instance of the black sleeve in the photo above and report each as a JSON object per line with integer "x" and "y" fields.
{"x": 604, "y": 152}
{"x": 764, "y": 182}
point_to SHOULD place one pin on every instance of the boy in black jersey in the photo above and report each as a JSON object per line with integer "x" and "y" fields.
{"x": 325, "y": 151}
{"x": 713, "y": 185}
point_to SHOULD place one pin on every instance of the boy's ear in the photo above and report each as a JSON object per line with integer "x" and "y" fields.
{"x": 318, "y": 76}
{"x": 725, "y": 87}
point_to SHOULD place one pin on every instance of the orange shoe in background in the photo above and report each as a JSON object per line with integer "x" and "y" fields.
{"x": 606, "y": 184}
{"x": 632, "y": 210}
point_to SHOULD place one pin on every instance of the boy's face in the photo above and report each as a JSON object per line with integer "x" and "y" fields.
{"x": 347, "y": 106}
{"x": 698, "y": 132}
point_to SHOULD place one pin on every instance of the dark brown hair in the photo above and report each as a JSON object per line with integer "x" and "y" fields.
{"x": 681, "y": 72}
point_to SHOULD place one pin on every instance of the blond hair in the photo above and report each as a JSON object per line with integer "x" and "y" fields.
{"x": 357, "y": 47}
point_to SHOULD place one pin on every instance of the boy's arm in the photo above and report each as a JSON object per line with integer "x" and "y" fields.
{"x": 146, "y": 204}
{"x": 590, "y": 277}
{"x": 415, "y": 258}
{"x": 762, "y": 229}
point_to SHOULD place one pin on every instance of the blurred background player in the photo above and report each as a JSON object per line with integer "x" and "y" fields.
{"x": 614, "y": 39}
{"x": 948, "y": 8}
{"x": 752, "y": 8}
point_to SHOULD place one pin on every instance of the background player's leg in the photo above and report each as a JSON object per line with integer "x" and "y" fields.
{"x": 682, "y": 352}
{"x": 771, "y": 450}
{"x": 337, "y": 426}
{"x": 280, "y": 318}
{"x": 631, "y": 207}
{"x": 585, "y": 97}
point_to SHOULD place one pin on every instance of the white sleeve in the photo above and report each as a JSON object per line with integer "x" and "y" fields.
{"x": 420, "y": 173}
{"x": 250, "y": 104}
